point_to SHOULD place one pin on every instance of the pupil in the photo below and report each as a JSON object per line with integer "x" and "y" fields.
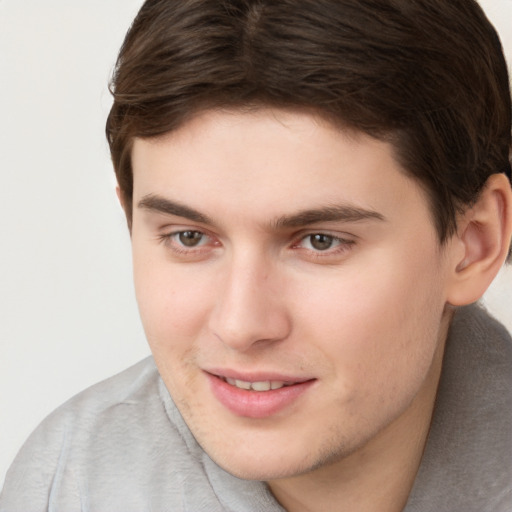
{"x": 321, "y": 242}
{"x": 190, "y": 238}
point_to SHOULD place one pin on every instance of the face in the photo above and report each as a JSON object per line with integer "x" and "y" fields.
{"x": 291, "y": 286}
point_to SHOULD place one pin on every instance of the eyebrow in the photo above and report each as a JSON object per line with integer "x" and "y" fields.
{"x": 339, "y": 213}
{"x": 160, "y": 204}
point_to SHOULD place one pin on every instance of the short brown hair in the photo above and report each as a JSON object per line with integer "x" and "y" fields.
{"x": 429, "y": 76}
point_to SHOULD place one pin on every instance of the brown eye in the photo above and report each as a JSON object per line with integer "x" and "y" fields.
{"x": 321, "y": 242}
{"x": 190, "y": 238}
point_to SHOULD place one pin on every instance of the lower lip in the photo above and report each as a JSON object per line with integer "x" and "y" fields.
{"x": 256, "y": 404}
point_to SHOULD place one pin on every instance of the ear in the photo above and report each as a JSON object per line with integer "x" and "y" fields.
{"x": 483, "y": 241}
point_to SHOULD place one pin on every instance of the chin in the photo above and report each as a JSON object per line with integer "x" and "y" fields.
{"x": 250, "y": 462}
{"x": 255, "y": 471}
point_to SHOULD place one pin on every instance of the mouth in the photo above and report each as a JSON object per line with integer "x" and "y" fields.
{"x": 262, "y": 385}
{"x": 257, "y": 396}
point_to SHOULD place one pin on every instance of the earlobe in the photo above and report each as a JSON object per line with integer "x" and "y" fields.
{"x": 485, "y": 232}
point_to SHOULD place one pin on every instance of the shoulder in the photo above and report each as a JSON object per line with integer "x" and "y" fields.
{"x": 103, "y": 405}
{"x": 91, "y": 440}
{"x": 478, "y": 343}
{"x": 476, "y": 320}
{"x": 122, "y": 446}
{"x": 470, "y": 442}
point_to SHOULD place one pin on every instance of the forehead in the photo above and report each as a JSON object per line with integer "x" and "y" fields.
{"x": 271, "y": 162}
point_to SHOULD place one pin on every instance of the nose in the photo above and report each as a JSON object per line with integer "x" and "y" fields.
{"x": 251, "y": 307}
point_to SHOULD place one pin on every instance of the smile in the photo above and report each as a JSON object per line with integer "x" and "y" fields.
{"x": 258, "y": 397}
{"x": 265, "y": 385}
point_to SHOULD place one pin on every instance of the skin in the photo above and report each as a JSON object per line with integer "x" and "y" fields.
{"x": 360, "y": 311}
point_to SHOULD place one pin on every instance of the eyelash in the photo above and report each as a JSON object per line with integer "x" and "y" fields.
{"x": 168, "y": 240}
{"x": 342, "y": 244}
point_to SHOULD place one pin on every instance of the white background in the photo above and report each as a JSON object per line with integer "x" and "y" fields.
{"x": 68, "y": 317}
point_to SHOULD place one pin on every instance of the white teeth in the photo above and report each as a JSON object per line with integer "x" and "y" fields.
{"x": 261, "y": 386}
{"x": 255, "y": 386}
{"x": 242, "y": 384}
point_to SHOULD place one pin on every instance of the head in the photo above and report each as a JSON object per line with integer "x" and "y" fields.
{"x": 306, "y": 185}
{"x": 427, "y": 76}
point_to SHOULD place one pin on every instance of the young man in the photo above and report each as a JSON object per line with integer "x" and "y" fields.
{"x": 317, "y": 191}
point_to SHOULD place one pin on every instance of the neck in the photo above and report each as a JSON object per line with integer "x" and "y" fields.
{"x": 377, "y": 477}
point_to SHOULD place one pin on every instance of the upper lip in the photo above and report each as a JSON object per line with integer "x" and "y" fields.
{"x": 260, "y": 376}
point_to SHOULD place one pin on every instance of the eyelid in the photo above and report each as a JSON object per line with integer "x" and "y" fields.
{"x": 171, "y": 228}
{"x": 168, "y": 233}
{"x": 345, "y": 243}
{"x": 342, "y": 236}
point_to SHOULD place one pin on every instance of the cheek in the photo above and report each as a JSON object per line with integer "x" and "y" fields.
{"x": 379, "y": 327}
{"x": 173, "y": 313}
{"x": 173, "y": 302}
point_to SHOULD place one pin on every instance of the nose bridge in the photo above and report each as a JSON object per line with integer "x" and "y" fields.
{"x": 250, "y": 306}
